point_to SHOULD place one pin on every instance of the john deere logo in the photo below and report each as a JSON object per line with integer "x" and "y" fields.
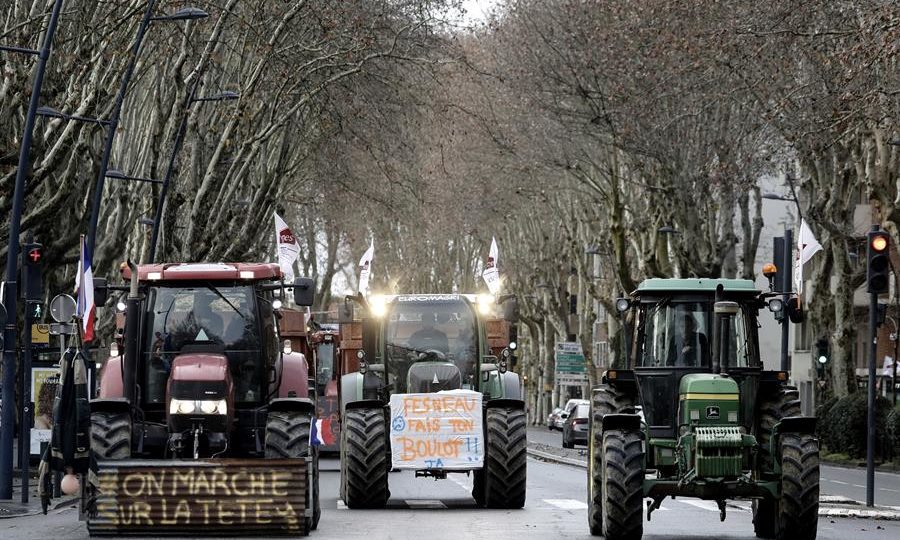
{"x": 712, "y": 413}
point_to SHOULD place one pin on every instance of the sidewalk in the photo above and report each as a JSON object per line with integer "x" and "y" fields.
{"x": 829, "y": 505}
{"x": 13, "y": 508}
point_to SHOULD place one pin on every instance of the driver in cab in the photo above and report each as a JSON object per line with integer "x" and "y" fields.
{"x": 428, "y": 337}
{"x": 689, "y": 347}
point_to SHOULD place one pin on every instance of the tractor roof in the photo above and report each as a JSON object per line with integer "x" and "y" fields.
{"x": 701, "y": 285}
{"x": 205, "y": 271}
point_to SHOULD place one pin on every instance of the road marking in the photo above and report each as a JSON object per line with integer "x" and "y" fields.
{"x": 567, "y": 504}
{"x": 341, "y": 505}
{"x": 712, "y": 506}
{"x": 857, "y": 486}
{"x": 432, "y": 504}
{"x": 889, "y": 489}
{"x": 837, "y": 482}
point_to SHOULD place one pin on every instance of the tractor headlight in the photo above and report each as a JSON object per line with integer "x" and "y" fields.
{"x": 378, "y": 305}
{"x": 181, "y": 406}
{"x": 485, "y": 303}
{"x": 204, "y": 406}
{"x": 209, "y": 406}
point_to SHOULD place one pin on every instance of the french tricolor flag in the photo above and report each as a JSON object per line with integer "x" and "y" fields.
{"x": 320, "y": 434}
{"x": 84, "y": 291}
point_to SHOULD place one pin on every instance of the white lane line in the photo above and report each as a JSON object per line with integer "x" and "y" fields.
{"x": 857, "y": 486}
{"x": 432, "y": 504}
{"x": 567, "y": 504}
{"x": 837, "y": 482}
{"x": 889, "y": 489}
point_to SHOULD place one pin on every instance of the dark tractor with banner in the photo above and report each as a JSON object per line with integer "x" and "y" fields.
{"x": 428, "y": 394}
{"x": 202, "y": 426}
{"x": 713, "y": 423}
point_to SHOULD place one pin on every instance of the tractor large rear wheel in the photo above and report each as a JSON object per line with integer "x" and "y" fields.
{"x": 111, "y": 435}
{"x": 622, "y": 491}
{"x": 605, "y": 399}
{"x": 796, "y": 515}
{"x": 287, "y": 436}
{"x": 505, "y": 459}
{"x": 364, "y": 459}
{"x": 783, "y": 403}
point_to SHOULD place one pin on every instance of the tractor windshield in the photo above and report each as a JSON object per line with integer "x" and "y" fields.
{"x": 433, "y": 331}
{"x": 679, "y": 334}
{"x": 202, "y": 318}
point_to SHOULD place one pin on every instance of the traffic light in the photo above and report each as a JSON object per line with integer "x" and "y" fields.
{"x": 878, "y": 267}
{"x": 32, "y": 271}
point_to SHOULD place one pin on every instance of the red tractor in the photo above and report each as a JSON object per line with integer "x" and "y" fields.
{"x": 203, "y": 424}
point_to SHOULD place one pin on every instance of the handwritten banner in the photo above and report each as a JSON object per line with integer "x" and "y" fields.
{"x": 442, "y": 430}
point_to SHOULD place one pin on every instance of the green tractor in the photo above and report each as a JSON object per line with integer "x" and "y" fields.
{"x": 692, "y": 413}
{"x": 434, "y": 394}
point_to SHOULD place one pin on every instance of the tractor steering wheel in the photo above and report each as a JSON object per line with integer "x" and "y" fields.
{"x": 431, "y": 354}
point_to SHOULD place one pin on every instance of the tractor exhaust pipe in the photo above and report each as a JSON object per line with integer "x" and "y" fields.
{"x": 132, "y": 331}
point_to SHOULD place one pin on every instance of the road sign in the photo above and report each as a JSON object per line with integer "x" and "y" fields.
{"x": 62, "y": 308}
{"x": 570, "y": 368}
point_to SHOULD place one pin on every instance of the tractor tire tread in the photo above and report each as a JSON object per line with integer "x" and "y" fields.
{"x": 605, "y": 399}
{"x": 800, "y": 486}
{"x": 784, "y": 403}
{"x": 111, "y": 435}
{"x": 623, "y": 493}
{"x": 364, "y": 458}
{"x": 287, "y": 437}
{"x": 505, "y": 458}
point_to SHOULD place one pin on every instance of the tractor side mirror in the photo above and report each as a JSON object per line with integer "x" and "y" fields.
{"x": 101, "y": 291}
{"x": 304, "y": 291}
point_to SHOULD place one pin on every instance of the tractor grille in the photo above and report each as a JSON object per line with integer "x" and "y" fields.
{"x": 720, "y": 451}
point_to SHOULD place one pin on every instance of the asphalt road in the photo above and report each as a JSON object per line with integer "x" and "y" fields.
{"x": 438, "y": 510}
{"x": 841, "y": 481}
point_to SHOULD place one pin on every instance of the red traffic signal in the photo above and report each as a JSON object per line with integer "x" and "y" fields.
{"x": 34, "y": 255}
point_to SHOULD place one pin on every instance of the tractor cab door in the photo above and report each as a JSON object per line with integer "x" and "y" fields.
{"x": 673, "y": 339}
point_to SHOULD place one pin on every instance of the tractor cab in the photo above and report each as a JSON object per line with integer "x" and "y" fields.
{"x": 673, "y": 330}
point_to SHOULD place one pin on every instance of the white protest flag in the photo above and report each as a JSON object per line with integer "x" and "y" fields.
{"x": 807, "y": 246}
{"x": 365, "y": 264}
{"x": 287, "y": 247}
{"x": 491, "y": 274}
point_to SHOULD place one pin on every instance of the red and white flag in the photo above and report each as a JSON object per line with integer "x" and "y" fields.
{"x": 84, "y": 291}
{"x": 287, "y": 247}
{"x": 491, "y": 274}
{"x": 365, "y": 265}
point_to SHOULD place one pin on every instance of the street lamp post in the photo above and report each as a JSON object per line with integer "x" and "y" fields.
{"x": 10, "y": 286}
{"x": 183, "y": 14}
{"x": 176, "y": 147}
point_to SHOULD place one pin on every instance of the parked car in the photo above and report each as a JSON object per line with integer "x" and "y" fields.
{"x": 577, "y": 426}
{"x": 553, "y": 418}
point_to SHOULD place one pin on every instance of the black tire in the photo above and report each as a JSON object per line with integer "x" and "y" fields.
{"x": 799, "y": 487}
{"x": 287, "y": 437}
{"x": 505, "y": 458}
{"x": 796, "y": 515}
{"x": 783, "y": 403}
{"x": 622, "y": 490}
{"x": 111, "y": 435}
{"x": 364, "y": 459}
{"x": 605, "y": 399}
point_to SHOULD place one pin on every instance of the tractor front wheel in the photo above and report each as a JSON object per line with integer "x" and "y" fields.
{"x": 622, "y": 492}
{"x": 783, "y": 403}
{"x": 364, "y": 465}
{"x": 796, "y": 515}
{"x": 605, "y": 399}
{"x": 287, "y": 436}
{"x": 505, "y": 459}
